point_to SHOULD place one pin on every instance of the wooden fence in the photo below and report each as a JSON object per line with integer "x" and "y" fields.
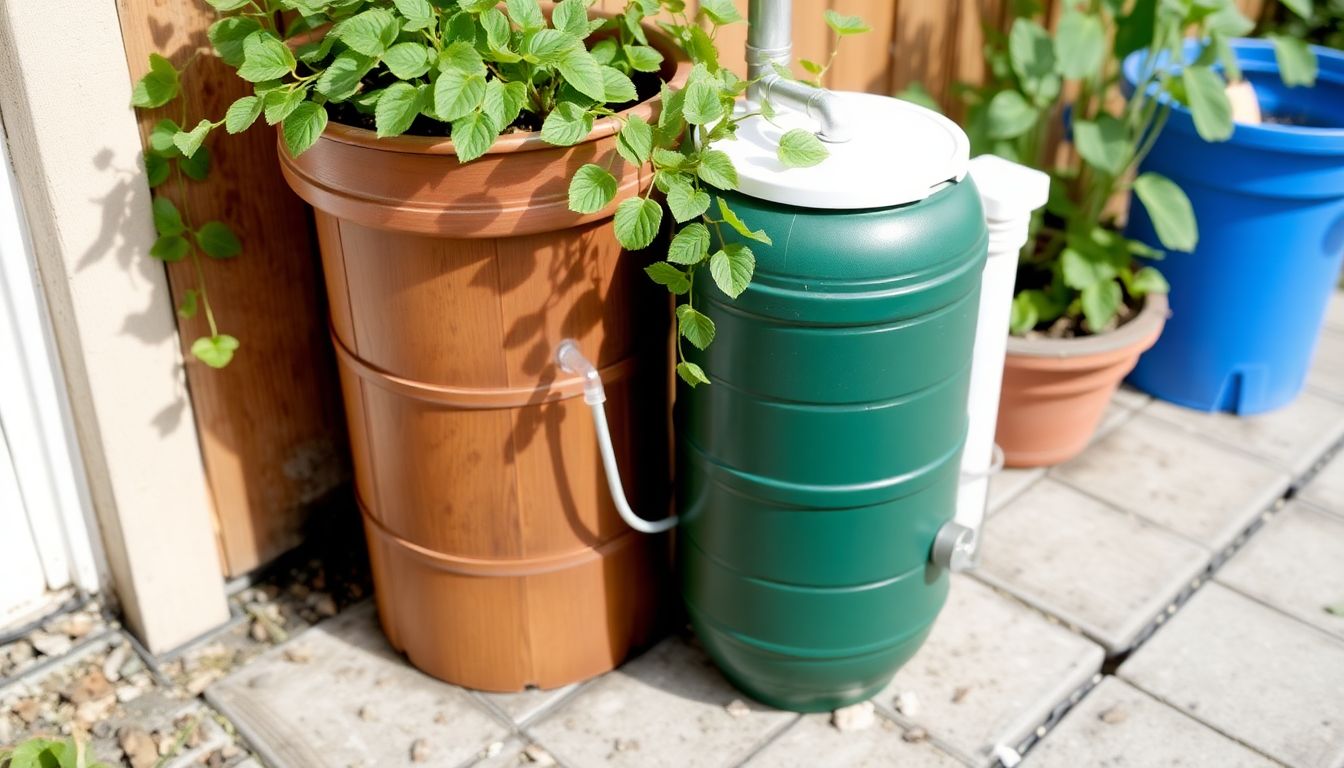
{"x": 933, "y": 42}
{"x": 271, "y": 425}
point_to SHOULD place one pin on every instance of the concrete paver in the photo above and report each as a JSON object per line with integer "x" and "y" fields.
{"x": 666, "y": 708}
{"x": 1334, "y": 312}
{"x": 1326, "y": 376}
{"x": 1293, "y": 437}
{"x": 1252, "y": 668}
{"x": 1008, "y": 483}
{"x": 813, "y": 742}
{"x": 506, "y": 754}
{"x": 1119, "y": 725}
{"x": 1326, "y": 489}
{"x": 1189, "y": 485}
{"x": 1105, "y": 571}
{"x": 342, "y": 696}
{"x": 1257, "y": 675}
{"x": 1131, "y": 398}
{"x": 1115, "y": 415}
{"x": 1295, "y": 564}
{"x": 991, "y": 671}
{"x": 526, "y": 705}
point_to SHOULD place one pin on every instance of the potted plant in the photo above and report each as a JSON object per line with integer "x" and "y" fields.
{"x": 486, "y": 178}
{"x": 1252, "y": 297}
{"x": 1088, "y": 299}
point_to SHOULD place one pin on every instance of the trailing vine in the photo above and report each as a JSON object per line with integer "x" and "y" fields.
{"x": 474, "y": 69}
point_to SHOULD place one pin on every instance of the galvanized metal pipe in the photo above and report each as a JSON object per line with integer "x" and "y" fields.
{"x": 770, "y": 42}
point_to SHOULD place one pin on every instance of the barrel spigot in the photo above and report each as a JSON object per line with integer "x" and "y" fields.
{"x": 954, "y": 547}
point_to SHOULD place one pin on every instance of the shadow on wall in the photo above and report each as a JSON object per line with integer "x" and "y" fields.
{"x": 271, "y": 426}
{"x": 128, "y": 193}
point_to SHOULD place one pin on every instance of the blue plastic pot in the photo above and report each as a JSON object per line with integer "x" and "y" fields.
{"x": 1247, "y": 305}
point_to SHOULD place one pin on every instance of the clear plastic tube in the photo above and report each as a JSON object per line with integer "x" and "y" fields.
{"x": 571, "y": 360}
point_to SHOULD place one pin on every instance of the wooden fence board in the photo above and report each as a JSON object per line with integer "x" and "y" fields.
{"x": 271, "y": 425}
{"x": 732, "y": 41}
{"x": 973, "y": 18}
{"x": 865, "y": 61}
{"x": 812, "y": 39}
{"x": 924, "y": 47}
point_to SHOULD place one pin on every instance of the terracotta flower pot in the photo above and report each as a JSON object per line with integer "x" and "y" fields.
{"x": 1056, "y": 390}
{"x": 498, "y": 557}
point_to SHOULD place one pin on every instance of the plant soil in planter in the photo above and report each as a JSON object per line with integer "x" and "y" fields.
{"x": 499, "y": 560}
{"x": 1056, "y": 390}
{"x": 1248, "y": 303}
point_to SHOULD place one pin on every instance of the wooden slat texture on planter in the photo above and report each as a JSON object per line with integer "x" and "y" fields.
{"x": 271, "y": 425}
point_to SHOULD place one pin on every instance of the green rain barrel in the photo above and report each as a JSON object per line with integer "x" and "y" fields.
{"x": 819, "y": 465}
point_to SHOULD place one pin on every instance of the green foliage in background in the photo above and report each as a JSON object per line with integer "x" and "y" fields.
{"x": 1322, "y": 24}
{"x": 1082, "y": 268}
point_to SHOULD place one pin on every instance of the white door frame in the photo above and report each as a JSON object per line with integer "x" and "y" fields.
{"x": 23, "y": 586}
{"x": 34, "y": 414}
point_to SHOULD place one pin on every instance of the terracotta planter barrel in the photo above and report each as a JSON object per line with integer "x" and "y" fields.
{"x": 498, "y": 557}
{"x": 1055, "y": 391}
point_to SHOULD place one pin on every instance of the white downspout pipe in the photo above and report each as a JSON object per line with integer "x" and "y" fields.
{"x": 1010, "y": 193}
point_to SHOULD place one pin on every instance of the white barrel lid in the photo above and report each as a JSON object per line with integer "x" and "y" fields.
{"x": 899, "y": 153}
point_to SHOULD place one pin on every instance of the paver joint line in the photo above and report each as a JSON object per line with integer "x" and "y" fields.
{"x": 768, "y": 740}
{"x": 520, "y": 722}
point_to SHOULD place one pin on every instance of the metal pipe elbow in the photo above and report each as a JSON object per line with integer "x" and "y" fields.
{"x": 819, "y": 104}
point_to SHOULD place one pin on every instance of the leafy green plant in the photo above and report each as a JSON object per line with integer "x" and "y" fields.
{"x": 172, "y": 157}
{"x": 686, "y": 171}
{"x": 1080, "y": 268}
{"x": 841, "y": 26}
{"x": 473, "y": 69}
{"x": 1322, "y": 24}
{"x": 49, "y": 753}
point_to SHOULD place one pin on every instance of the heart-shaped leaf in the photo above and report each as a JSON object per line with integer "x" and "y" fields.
{"x": 397, "y": 108}
{"x": 690, "y": 246}
{"x": 635, "y": 141}
{"x": 799, "y": 148}
{"x": 266, "y": 58}
{"x": 217, "y": 240}
{"x": 473, "y": 135}
{"x": 732, "y": 268}
{"x": 691, "y": 373}
{"x": 716, "y": 169}
{"x": 694, "y": 326}
{"x": 1170, "y": 211}
{"x": 159, "y": 86}
{"x": 215, "y": 351}
{"x": 668, "y": 276}
{"x": 637, "y": 222}
{"x": 304, "y": 127}
{"x": 592, "y": 189}
{"x": 685, "y": 201}
{"x": 568, "y": 124}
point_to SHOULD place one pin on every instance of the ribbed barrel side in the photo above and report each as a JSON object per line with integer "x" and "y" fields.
{"x": 816, "y": 469}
